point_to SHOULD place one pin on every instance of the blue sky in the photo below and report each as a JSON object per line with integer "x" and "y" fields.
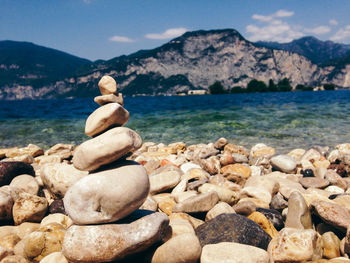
{"x": 103, "y": 29}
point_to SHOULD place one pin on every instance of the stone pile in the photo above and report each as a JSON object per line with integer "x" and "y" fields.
{"x": 114, "y": 199}
{"x": 113, "y": 189}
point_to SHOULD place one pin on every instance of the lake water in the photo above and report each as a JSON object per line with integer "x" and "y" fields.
{"x": 285, "y": 120}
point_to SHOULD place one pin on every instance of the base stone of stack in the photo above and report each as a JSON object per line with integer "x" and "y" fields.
{"x": 106, "y": 148}
{"x": 108, "y": 195}
{"x": 105, "y": 243}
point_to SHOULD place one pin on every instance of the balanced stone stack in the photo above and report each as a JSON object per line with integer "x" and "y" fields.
{"x": 113, "y": 189}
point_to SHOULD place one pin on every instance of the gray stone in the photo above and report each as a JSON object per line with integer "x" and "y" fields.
{"x": 299, "y": 215}
{"x": 232, "y": 228}
{"x": 105, "y": 117}
{"x": 332, "y": 214}
{"x": 105, "y": 243}
{"x": 106, "y": 148}
{"x": 245, "y": 208}
{"x": 283, "y": 163}
{"x": 278, "y": 202}
{"x": 314, "y": 182}
{"x": 108, "y": 195}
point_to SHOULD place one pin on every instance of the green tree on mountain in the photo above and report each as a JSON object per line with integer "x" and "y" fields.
{"x": 217, "y": 88}
{"x": 256, "y": 86}
{"x": 284, "y": 85}
{"x": 272, "y": 86}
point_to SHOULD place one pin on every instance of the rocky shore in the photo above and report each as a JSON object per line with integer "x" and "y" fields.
{"x": 114, "y": 198}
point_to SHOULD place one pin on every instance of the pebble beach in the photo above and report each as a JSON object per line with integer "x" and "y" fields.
{"x": 115, "y": 198}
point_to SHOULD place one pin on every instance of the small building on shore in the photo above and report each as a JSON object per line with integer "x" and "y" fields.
{"x": 197, "y": 92}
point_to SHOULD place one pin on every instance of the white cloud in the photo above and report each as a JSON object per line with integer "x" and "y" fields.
{"x": 121, "y": 39}
{"x": 281, "y": 32}
{"x": 274, "y": 29}
{"x": 320, "y": 30}
{"x": 167, "y": 34}
{"x": 342, "y": 34}
{"x": 262, "y": 18}
{"x": 283, "y": 13}
{"x": 270, "y": 18}
{"x": 87, "y": 1}
{"x": 333, "y": 22}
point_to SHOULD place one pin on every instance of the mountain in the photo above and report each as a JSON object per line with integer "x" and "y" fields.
{"x": 315, "y": 50}
{"x": 24, "y": 63}
{"x": 194, "y": 60}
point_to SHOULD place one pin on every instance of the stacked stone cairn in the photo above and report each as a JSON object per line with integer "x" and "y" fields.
{"x": 114, "y": 199}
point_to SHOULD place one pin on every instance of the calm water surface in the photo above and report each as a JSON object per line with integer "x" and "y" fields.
{"x": 285, "y": 120}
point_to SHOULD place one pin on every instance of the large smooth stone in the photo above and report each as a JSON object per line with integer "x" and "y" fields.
{"x": 225, "y": 195}
{"x": 163, "y": 181}
{"x": 58, "y": 177}
{"x": 333, "y": 214}
{"x": 225, "y": 252}
{"x": 106, "y": 148}
{"x": 283, "y": 163}
{"x": 110, "y": 98}
{"x": 107, "y": 85}
{"x": 181, "y": 248}
{"x": 105, "y": 243}
{"x": 299, "y": 215}
{"x": 199, "y": 203}
{"x": 105, "y": 117}
{"x": 9, "y": 170}
{"x": 232, "y": 228}
{"x": 108, "y": 195}
{"x": 295, "y": 245}
{"x": 260, "y": 187}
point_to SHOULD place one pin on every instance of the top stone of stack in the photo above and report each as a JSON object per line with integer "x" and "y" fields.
{"x": 107, "y": 85}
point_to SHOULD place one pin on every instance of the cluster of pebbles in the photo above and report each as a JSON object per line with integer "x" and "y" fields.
{"x": 116, "y": 199}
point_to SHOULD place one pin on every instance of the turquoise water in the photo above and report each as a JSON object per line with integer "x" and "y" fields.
{"x": 285, "y": 120}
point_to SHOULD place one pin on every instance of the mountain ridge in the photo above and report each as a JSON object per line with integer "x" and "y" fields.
{"x": 194, "y": 60}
